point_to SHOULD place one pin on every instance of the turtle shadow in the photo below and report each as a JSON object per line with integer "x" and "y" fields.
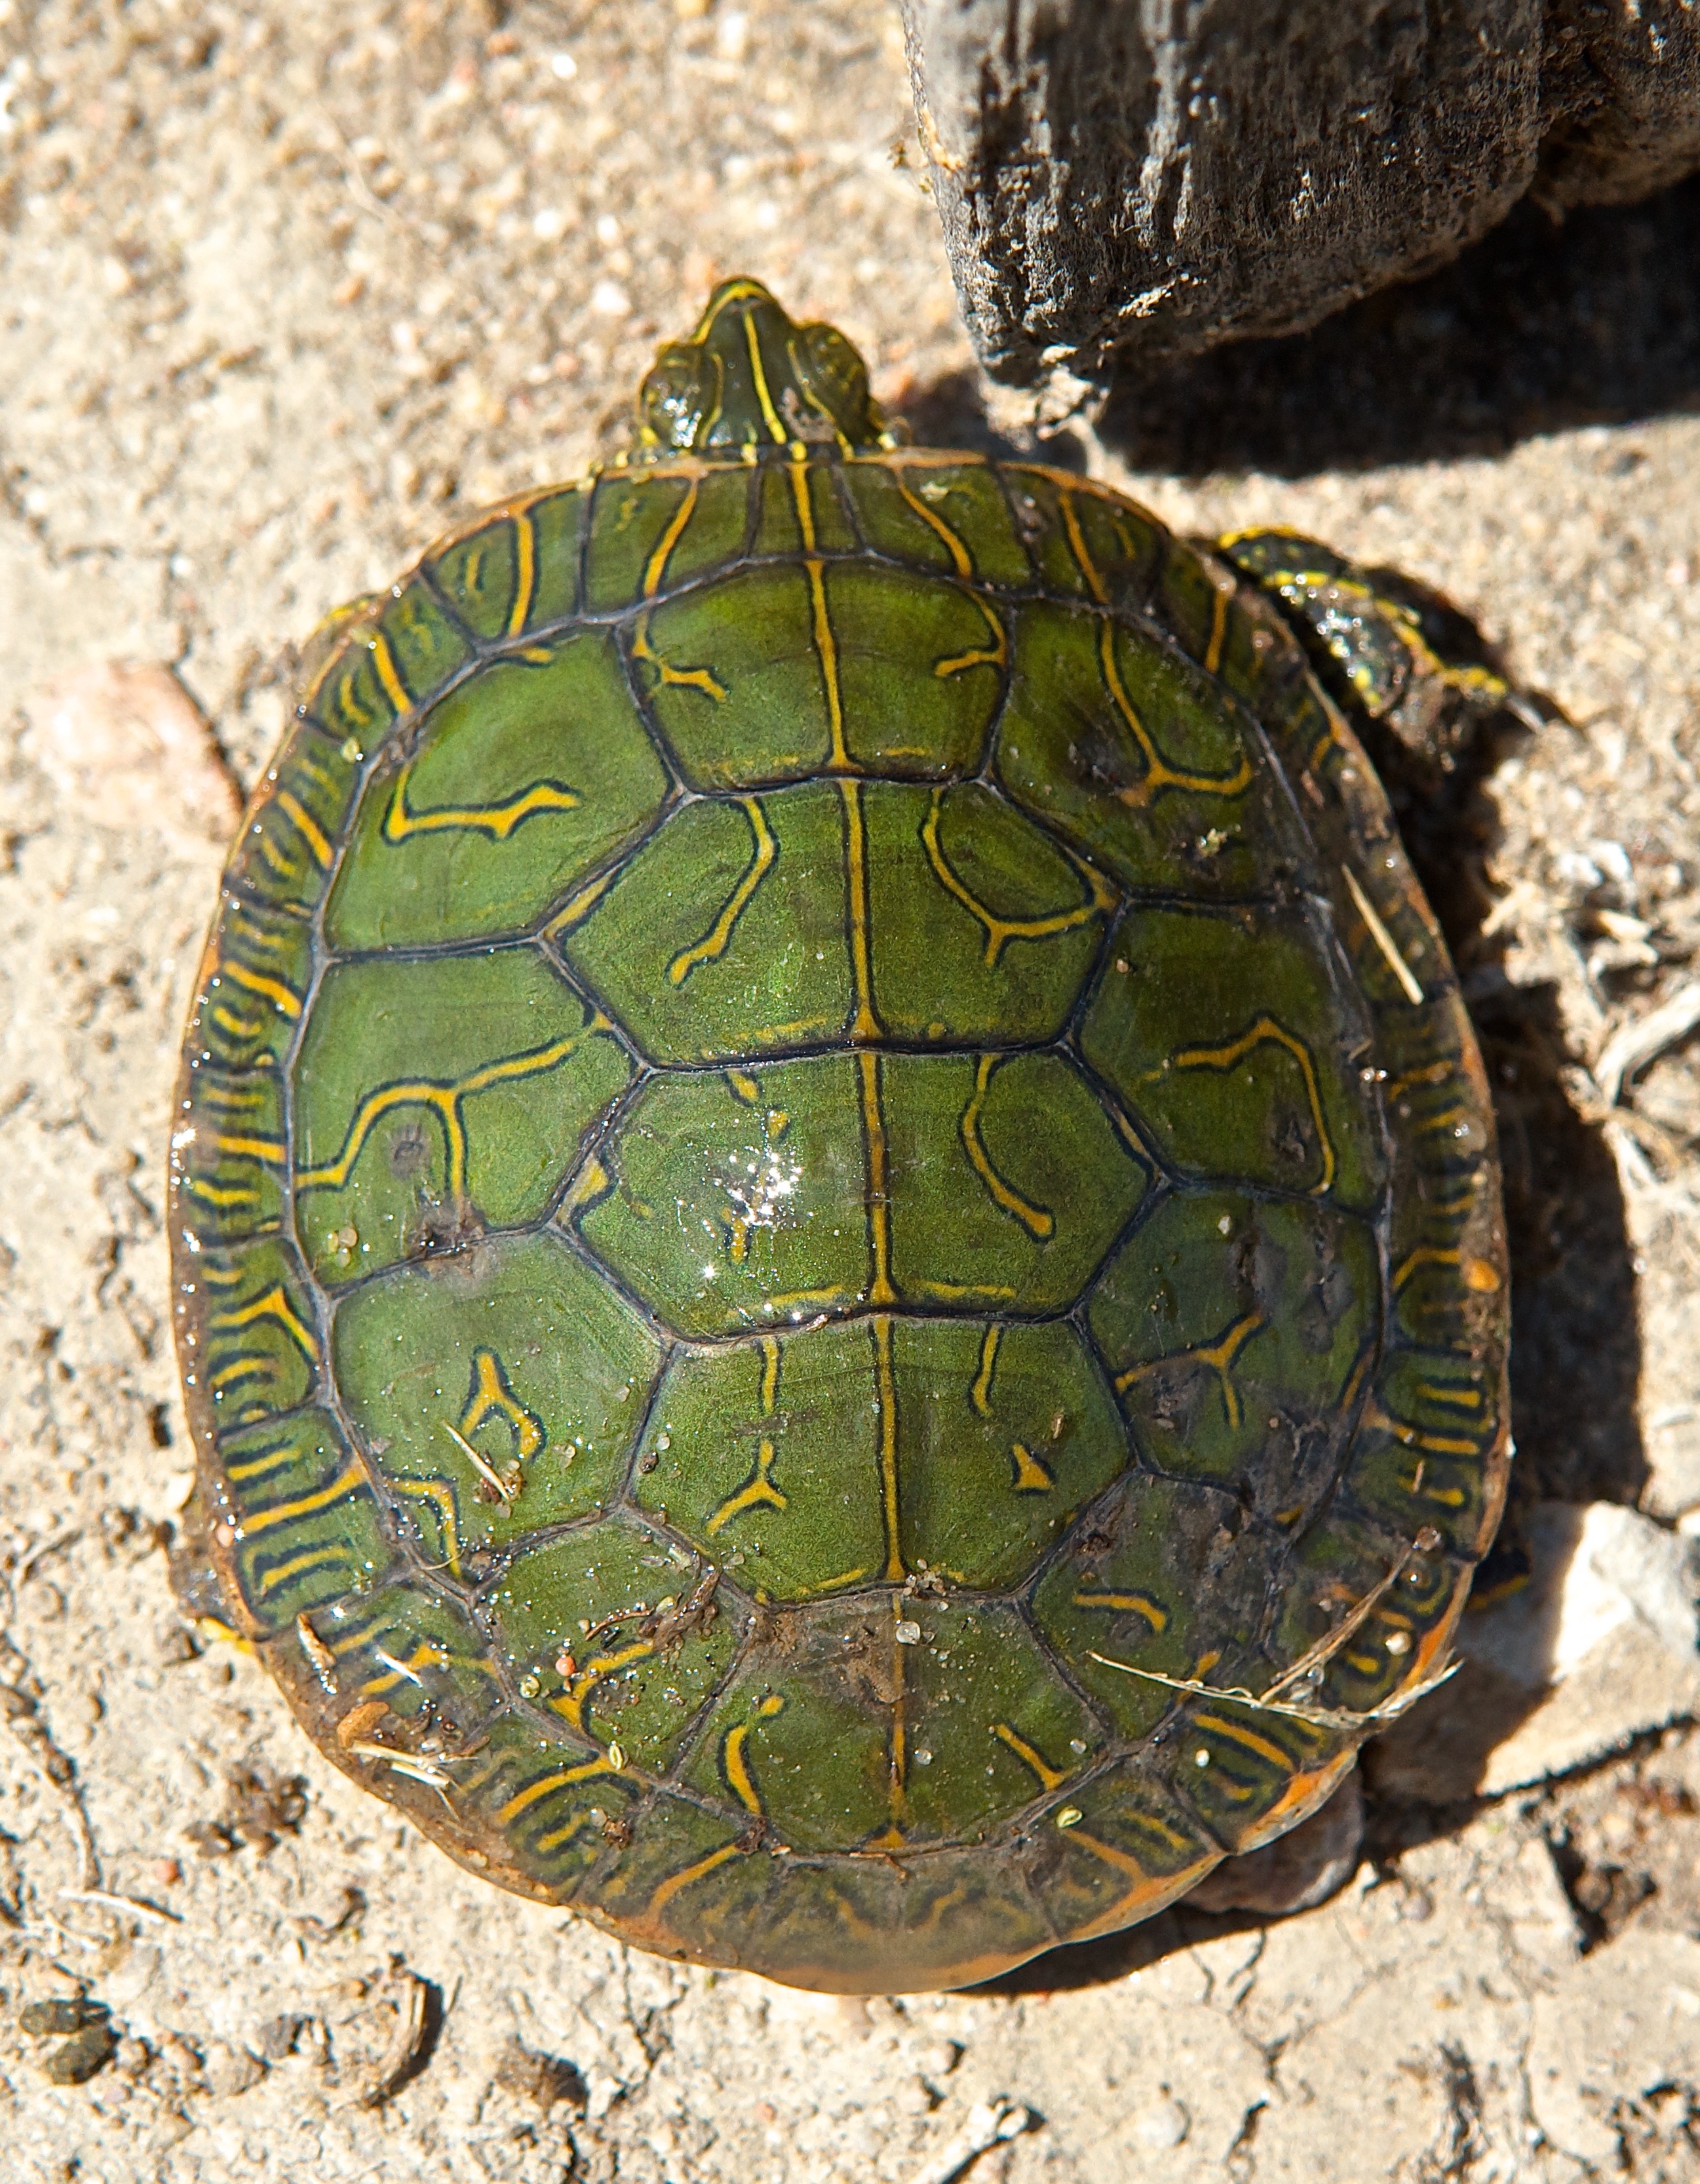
{"x": 1540, "y": 326}
{"x": 1575, "y": 1361}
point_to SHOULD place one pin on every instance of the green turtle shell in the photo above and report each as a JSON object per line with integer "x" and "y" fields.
{"x": 837, "y": 1241}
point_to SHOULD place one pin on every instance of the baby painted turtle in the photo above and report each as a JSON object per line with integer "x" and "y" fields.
{"x": 838, "y": 1258}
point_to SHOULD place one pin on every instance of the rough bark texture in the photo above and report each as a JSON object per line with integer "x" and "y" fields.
{"x": 1168, "y": 173}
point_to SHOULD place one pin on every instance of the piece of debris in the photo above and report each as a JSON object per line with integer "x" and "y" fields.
{"x": 544, "y": 2079}
{"x": 415, "y": 2002}
{"x": 279, "y": 2037}
{"x": 989, "y": 2123}
{"x": 230, "y": 2070}
{"x": 127, "y": 1907}
{"x": 261, "y": 1807}
{"x": 349, "y": 1912}
{"x": 74, "y": 2061}
{"x": 125, "y": 742}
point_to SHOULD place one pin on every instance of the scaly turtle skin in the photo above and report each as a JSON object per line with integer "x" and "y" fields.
{"x": 831, "y": 1191}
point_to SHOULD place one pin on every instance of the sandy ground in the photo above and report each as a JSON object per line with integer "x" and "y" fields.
{"x": 282, "y": 293}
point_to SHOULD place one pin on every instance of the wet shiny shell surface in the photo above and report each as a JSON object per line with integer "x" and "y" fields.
{"x": 823, "y": 1117}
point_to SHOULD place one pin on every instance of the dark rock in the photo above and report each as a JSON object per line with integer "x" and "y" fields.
{"x": 76, "y": 2061}
{"x": 63, "y": 2014}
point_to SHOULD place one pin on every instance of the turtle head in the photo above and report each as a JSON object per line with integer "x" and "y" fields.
{"x": 748, "y": 383}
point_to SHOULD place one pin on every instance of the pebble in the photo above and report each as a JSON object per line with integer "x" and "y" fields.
{"x": 125, "y": 740}
{"x": 1164, "y": 2124}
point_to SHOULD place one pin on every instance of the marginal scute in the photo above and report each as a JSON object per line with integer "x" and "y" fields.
{"x": 349, "y": 698}
{"x": 258, "y": 1348}
{"x": 633, "y": 520}
{"x": 419, "y": 1654}
{"x": 1415, "y": 1596}
{"x": 550, "y": 1799}
{"x": 228, "y": 1165}
{"x": 951, "y": 515}
{"x": 253, "y": 987}
{"x": 477, "y": 573}
{"x": 722, "y": 512}
{"x": 416, "y": 645}
{"x": 1237, "y": 1765}
{"x": 1116, "y": 1848}
{"x": 304, "y": 1522}
{"x": 838, "y": 1248}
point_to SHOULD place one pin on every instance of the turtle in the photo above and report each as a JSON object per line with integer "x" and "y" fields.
{"x": 838, "y": 1249}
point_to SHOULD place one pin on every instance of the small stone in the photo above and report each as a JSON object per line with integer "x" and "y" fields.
{"x": 1164, "y": 2124}
{"x": 126, "y": 743}
{"x": 279, "y": 2036}
{"x": 230, "y": 2070}
{"x": 74, "y": 2061}
{"x": 132, "y": 2056}
{"x": 61, "y": 2014}
{"x": 908, "y": 1633}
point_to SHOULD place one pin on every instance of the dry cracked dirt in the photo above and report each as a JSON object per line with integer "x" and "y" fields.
{"x": 283, "y": 291}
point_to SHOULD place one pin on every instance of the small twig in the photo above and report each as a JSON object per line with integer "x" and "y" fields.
{"x": 358, "y": 186}
{"x": 989, "y": 2123}
{"x": 51, "y": 1930}
{"x": 1638, "y": 1043}
{"x": 507, "y": 1489}
{"x": 53, "y": 1766}
{"x": 43, "y": 1549}
{"x": 132, "y": 1907}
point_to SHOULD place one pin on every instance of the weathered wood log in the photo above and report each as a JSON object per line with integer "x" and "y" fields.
{"x": 1164, "y": 174}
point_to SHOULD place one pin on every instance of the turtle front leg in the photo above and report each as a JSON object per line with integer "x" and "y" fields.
{"x": 1398, "y": 658}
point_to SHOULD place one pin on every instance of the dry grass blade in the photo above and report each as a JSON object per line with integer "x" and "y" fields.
{"x": 1319, "y": 1717}
{"x": 1309, "y": 1665}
